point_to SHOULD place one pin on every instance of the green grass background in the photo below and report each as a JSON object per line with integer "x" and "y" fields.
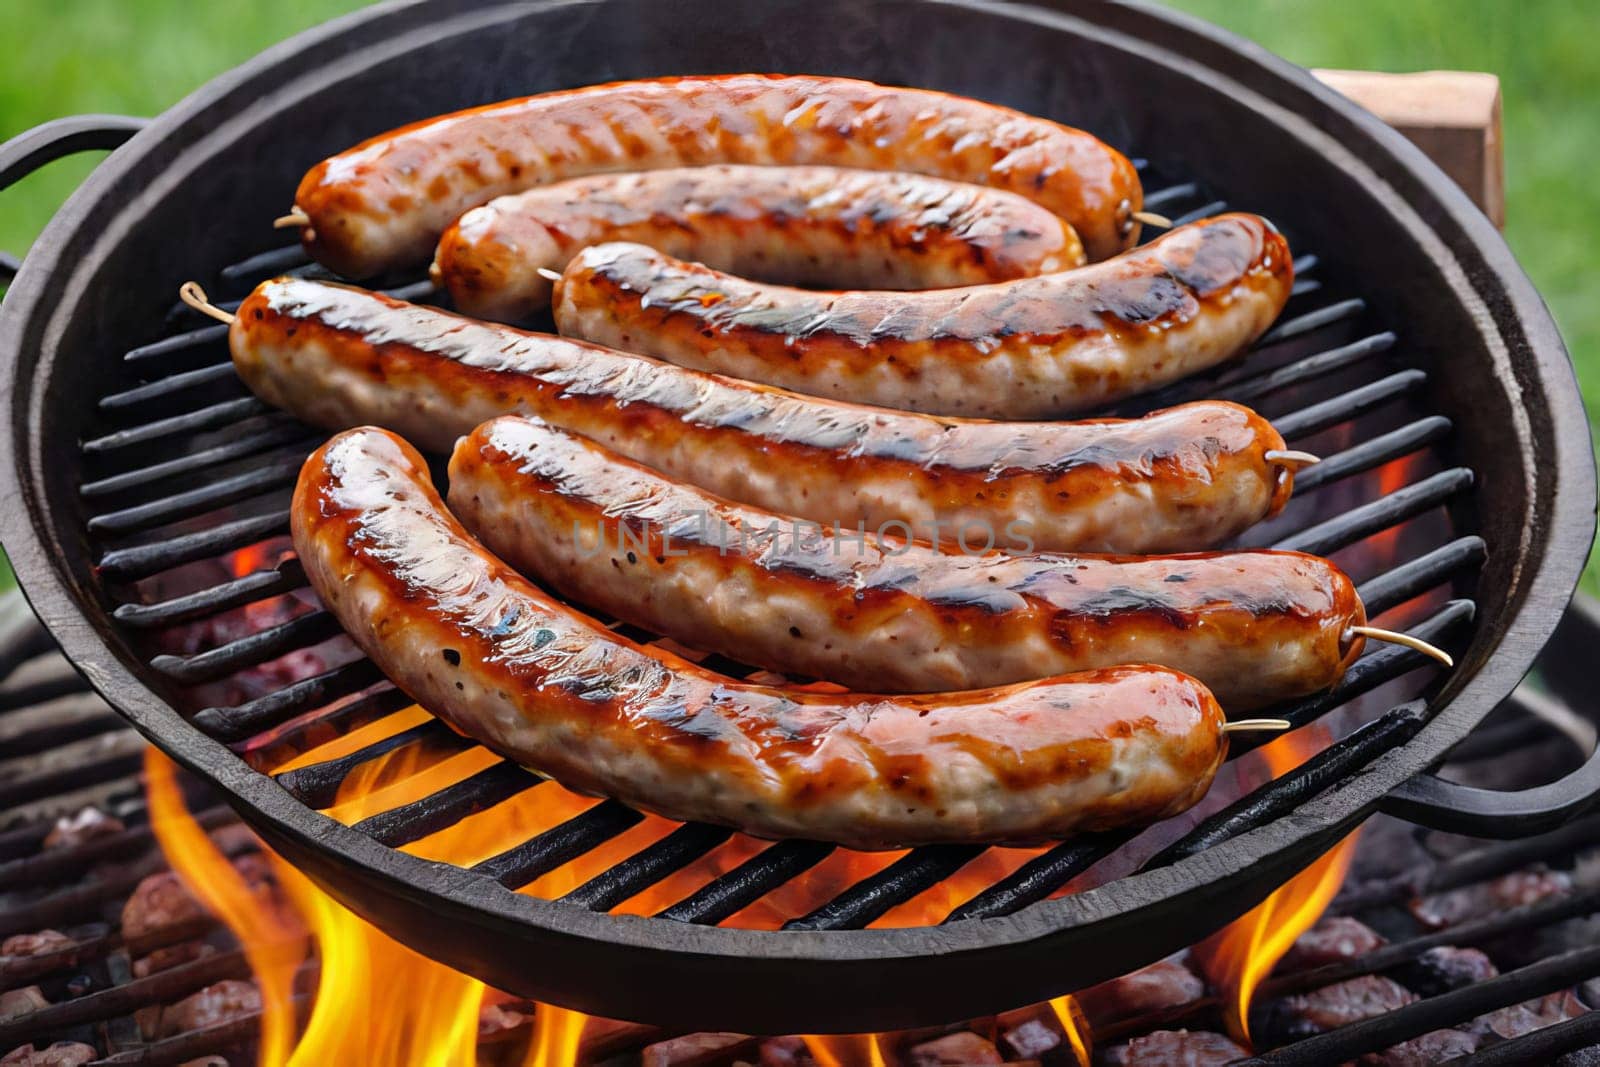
{"x": 60, "y": 57}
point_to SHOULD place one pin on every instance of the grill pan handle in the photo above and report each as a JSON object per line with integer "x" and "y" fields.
{"x": 1430, "y": 801}
{"x": 1440, "y": 805}
{"x": 50, "y": 141}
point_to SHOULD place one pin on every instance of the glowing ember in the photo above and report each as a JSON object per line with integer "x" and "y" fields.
{"x": 1075, "y": 1026}
{"x": 1240, "y": 955}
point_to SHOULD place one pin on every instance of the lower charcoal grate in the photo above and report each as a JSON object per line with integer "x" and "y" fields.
{"x": 1545, "y": 946}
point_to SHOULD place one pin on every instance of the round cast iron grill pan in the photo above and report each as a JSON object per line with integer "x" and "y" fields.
{"x": 192, "y": 194}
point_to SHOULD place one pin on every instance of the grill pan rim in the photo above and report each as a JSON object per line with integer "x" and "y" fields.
{"x": 63, "y": 603}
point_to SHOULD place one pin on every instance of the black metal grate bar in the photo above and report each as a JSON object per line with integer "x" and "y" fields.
{"x": 582, "y": 833}
{"x": 103, "y": 1004}
{"x": 1304, "y": 370}
{"x": 1400, "y": 505}
{"x": 312, "y": 729}
{"x": 317, "y": 785}
{"x": 93, "y": 759}
{"x": 415, "y": 291}
{"x": 1042, "y": 875}
{"x": 1312, "y": 320}
{"x": 1329, "y": 767}
{"x": 259, "y": 647}
{"x": 749, "y": 882}
{"x": 141, "y": 561}
{"x": 1541, "y": 1046}
{"x": 1417, "y": 576}
{"x": 177, "y": 343}
{"x": 257, "y": 585}
{"x": 1473, "y": 932}
{"x": 283, "y": 432}
{"x": 263, "y": 265}
{"x": 870, "y": 898}
{"x": 1479, "y": 865}
{"x": 273, "y": 473}
{"x": 1171, "y": 194}
{"x": 648, "y": 866}
{"x": 479, "y": 792}
{"x": 1241, "y": 382}
{"x": 1204, "y": 211}
{"x": 165, "y": 388}
{"x": 39, "y": 868}
{"x": 210, "y": 417}
{"x": 236, "y": 723}
{"x": 1447, "y": 1009}
{"x": 1346, "y": 406}
{"x": 1374, "y": 453}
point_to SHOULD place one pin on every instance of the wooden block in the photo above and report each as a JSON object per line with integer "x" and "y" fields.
{"x": 1453, "y": 116}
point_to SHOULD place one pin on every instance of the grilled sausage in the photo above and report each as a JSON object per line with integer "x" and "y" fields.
{"x": 1186, "y": 478}
{"x": 384, "y": 203}
{"x": 546, "y": 687}
{"x": 817, "y": 226}
{"x": 1035, "y": 348}
{"x": 889, "y": 615}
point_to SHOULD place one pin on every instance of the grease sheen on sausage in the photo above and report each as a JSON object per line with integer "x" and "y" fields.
{"x": 484, "y": 649}
{"x": 1186, "y": 478}
{"x": 813, "y": 226}
{"x": 384, "y": 203}
{"x": 1256, "y": 627}
{"x": 1038, "y": 347}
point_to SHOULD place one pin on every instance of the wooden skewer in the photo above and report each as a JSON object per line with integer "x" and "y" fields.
{"x": 191, "y": 293}
{"x": 1288, "y": 457}
{"x": 1150, "y": 218}
{"x": 549, "y": 275}
{"x": 1242, "y": 725}
{"x": 293, "y": 220}
{"x": 1404, "y": 639}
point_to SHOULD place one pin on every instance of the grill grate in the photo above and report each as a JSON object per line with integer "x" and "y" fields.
{"x": 76, "y": 887}
{"x": 157, "y": 505}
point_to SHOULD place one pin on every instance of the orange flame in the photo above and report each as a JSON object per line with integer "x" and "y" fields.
{"x": 1075, "y": 1026}
{"x": 556, "y": 1034}
{"x": 378, "y": 1001}
{"x": 273, "y": 943}
{"x": 1240, "y": 955}
{"x": 845, "y": 1050}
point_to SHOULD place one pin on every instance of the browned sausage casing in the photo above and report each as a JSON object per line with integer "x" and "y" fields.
{"x": 484, "y": 649}
{"x": 816, "y": 226}
{"x": 1186, "y": 478}
{"x": 384, "y": 203}
{"x": 1034, "y": 348}
{"x": 891, "y": 616}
